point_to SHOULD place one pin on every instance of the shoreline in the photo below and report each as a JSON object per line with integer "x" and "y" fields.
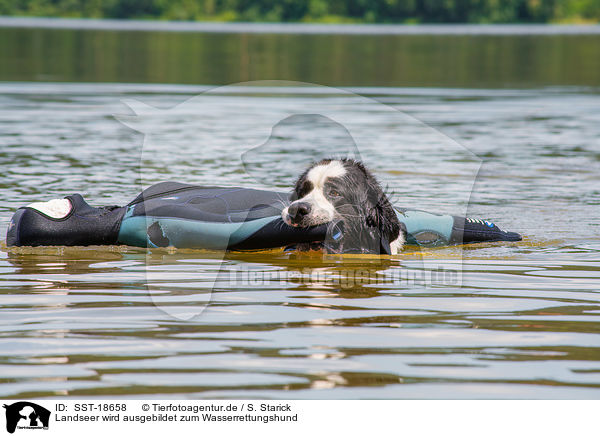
{"x": 297, "y": 28}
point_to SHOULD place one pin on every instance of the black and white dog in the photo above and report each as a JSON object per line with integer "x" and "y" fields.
{"x": 345, "y": 194}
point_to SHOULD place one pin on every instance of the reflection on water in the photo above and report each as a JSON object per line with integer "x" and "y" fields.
{"x": 453, "y": 60}
{"x": 81, "y": 322}
{"x": 94, "y": 321}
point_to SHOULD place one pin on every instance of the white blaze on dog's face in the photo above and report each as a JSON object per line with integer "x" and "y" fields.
{"x": 313, "y": 207}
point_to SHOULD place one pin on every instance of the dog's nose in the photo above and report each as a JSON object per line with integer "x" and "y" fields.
{"x": 298, "y": 210}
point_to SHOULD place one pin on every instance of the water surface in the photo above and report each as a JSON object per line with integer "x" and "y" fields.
{"x": 458, "y": 56}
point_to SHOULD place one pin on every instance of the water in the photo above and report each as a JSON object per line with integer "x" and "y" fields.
{"x": 456, "y": 59}
{"x": 522, "y": 322}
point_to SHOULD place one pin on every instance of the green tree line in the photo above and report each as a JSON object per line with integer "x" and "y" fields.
{"x": 369, "y": 11}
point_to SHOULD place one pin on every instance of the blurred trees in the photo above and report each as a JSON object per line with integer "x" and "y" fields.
{"x": 370, "y": 11}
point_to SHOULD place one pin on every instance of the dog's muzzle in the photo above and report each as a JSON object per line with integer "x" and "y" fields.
{"x": 297, "y": 211}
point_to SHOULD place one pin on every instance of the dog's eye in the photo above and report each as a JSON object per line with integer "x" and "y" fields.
{"x": 334, "y": 193}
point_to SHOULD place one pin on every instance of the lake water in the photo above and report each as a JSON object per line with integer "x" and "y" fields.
{"x": 503, "y": 127}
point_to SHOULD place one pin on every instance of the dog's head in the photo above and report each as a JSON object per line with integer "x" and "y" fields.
{"x": 344, "y": 193}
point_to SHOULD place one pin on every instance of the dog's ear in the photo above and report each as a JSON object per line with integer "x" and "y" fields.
{"x": 383, "y": 217}
{"x": 376, "y": 218}
{"x": 384, "y": 246}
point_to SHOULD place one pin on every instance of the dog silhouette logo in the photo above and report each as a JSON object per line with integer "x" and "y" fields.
{"x": 26, "y": 415}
